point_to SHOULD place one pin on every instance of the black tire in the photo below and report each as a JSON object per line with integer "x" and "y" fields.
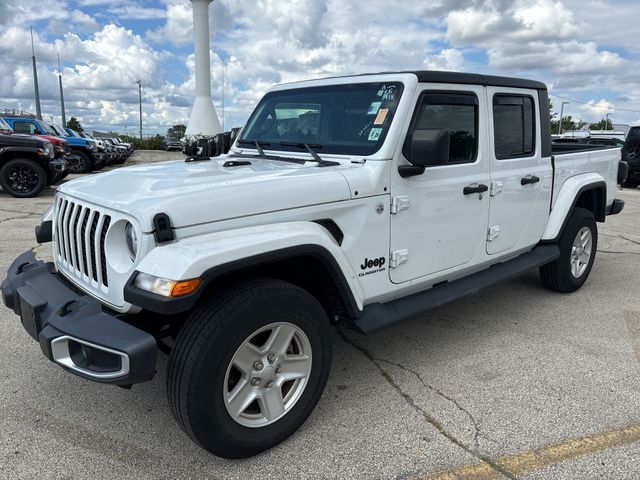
{"x": 84, "y": 164}
{"x": 211, "y": 337}
{"x": 100, "y": 164}
{"x": 558, "y": 275}
{"x": 22, "y": 178}
{"x": 631, "y": 181}
{"x": 58, "y": 176}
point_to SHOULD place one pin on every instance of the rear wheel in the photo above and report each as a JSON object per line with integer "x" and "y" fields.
{"x": 578, "y": 243}
{"x": 249, "y": 367}
{"x": 22, "y": 177}
{"x": 632, "y": 181}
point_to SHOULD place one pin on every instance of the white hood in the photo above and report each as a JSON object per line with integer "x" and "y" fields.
{"x": 205, "y": 191}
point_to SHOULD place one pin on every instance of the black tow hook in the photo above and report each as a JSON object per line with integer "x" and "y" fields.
{"x": 66, "y": 308}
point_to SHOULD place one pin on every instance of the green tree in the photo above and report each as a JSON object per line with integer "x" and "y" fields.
{"x": 74, "y": 124}
{"x": 604, "y": 124}
{"x": 568, "y": 122}
{"x": 152, "y": 142}
{"x": 177, "y": 131}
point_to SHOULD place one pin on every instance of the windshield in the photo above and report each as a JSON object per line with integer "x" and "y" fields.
{"x": 72, "y": 133}
{"x": 55, "y": 130}
{"x": 48, "y": 130}
{"x": 5, "y": 126}
{"x": 343, "y": 119}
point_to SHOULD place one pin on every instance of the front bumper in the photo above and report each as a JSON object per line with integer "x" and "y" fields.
{"x": 616, "y": 207}
{"x": 73, "y": 330}
{"x": 59, "y": 165}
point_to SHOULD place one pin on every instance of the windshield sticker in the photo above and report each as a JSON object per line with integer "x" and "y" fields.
{"x": 373, "y": 109}
{"x": 374, "y": 134}
{"x": 382, "y": 115}
{"x": 387, "y": 92}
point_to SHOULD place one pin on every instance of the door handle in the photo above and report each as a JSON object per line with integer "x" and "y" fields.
{"x": 529, "y": 179}
{"x": 481, "y": 188}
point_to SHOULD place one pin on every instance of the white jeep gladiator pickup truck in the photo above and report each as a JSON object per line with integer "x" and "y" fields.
{"x": 364, "y": 200}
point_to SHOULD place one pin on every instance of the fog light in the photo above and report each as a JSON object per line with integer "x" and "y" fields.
{"x": 80, "y": 354}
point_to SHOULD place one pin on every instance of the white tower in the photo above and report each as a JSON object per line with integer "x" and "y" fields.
{"x": 204, "y": 119}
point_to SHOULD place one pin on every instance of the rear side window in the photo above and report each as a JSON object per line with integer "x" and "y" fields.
{"x": 24, "y": 127}
{"x": 514, "y": 126}
{"x": 456, "y": 112}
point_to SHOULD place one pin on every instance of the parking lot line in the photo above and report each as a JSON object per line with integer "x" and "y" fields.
{"x": 532, "y": 460}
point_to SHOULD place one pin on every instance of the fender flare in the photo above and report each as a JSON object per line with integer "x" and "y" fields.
{"x": 566, "y": 201}
{"x": 227, "y": 252}
{"x": 20, "y": 150}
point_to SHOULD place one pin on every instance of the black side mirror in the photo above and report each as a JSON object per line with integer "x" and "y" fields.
{"x": 428, "y": 148}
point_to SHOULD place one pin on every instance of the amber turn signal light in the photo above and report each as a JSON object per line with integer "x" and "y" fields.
{"x": 185, "y": 287}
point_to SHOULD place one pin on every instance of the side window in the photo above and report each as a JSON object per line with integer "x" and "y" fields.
{"x": 24, "y": 127}
{"x": 514, "y": 126}
{"x": 456, "y": 112}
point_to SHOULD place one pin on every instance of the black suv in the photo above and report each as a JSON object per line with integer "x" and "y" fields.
{"x": 631, "y": 155}
{"x": 27, "y": 163}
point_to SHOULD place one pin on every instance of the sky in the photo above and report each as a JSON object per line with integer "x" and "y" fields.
{"x": 586, "y": 51}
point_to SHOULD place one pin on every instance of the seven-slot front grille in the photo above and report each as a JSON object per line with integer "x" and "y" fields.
{"x": 80, "y": 237}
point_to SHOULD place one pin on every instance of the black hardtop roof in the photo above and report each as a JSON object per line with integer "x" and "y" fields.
{"x": 430, "y": 76}
{"x": 435, "y": 76}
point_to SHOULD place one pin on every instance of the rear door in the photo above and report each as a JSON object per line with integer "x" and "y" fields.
{"x": 521, "y": 179}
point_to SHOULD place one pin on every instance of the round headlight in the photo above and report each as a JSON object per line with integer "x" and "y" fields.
{"x": 132, "y": 241}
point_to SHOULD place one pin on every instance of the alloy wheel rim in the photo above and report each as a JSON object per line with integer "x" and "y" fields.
{"x": 22, "y": 179}
{"x": 267, "y": 375}
{"x": 581, "y": 252}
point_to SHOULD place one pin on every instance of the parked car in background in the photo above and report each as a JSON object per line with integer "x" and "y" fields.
{"x": 103, "y": 147}
{"x": 601, "y": 140}
{"x": 129, "y": 146}
{"x": 99, "y": 159}
{"x": 85, "y": 151}
{"x": 171, "y": 144}
{"x": 631, "y": 154}
{"x": 28, "y": 163}
{"x": 123, "y": 151}
{"x": 619, "y": 134}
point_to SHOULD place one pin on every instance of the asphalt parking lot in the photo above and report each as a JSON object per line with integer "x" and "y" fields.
{"x": 516, "y": 382}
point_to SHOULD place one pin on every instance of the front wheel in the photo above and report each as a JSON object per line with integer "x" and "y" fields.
{"x": 84, "y": 164}
{"x": 578, "y": 243}
{"x": 249, "y": 367}
{"x": 22, "y": 178}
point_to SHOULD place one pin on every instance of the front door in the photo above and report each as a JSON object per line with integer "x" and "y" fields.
{"x": 521, "y": 180}
{"x": 437, "y": 227}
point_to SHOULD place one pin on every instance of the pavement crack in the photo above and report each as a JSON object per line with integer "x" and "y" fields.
{"x": 620, "y": 253}
{"x": 438, "y": 392}
{"x": 20, "y": 217}
{"x": 422, "y": 412}
{"x": 28, "y": 213}
{"x": 629, "y": 240}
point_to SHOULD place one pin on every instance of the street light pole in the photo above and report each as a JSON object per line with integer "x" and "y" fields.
{"x": 561, "y": 113}
{"x": 64, "y": 116}
{"x": 35, "y": 79}
{"x": 606, "y": 122}
{"x": 140, "y": 98}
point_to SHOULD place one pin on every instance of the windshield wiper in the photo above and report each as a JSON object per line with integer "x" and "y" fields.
{"x": 257, "y": 144}
{"x": 310, "y": 149}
